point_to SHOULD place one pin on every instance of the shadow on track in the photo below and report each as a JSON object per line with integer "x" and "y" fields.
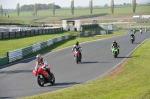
{"x": 90, "y": 62}
{"x": 6, "y": 97}
{"x": 16, "y": 71}
{"x": 123, "y": 57}
{"x": 136, "y": 43}
{"x": 63, "y": 84}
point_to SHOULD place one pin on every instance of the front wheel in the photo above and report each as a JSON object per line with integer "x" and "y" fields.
{"x": 77, "y": 60}
{"x": 40, "y": 80}
{"x": 52, "y": 79}
{"x": 115, "y": 55}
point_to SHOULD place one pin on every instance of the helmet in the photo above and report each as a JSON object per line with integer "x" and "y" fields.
{"x": 114, "y": 41}
{"x": 38, "y": 56}
{"x": 77, "y": 43}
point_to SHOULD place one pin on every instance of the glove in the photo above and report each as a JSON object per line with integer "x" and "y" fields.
{"x": 44, "y": 67}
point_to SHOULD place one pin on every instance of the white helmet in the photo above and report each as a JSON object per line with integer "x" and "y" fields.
{"x": 38, "y": 56}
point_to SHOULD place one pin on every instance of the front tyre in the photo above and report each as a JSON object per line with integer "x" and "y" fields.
{"x": 40, "y": 80}
{"x": 115, "y": 55}
{"x": 53, "y": 79}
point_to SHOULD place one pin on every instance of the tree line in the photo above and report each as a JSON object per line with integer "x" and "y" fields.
{"x": 34, "y": 8}
{"x": 111, "y": 6}
{"x": 31, "y": 7}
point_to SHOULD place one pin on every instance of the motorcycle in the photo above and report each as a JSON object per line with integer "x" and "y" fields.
{"x": 77, "y": 56}
{"x": 43, "y": 77}
{"x": 132, "y": 40}
{"x": 115, "y": 52}
{"x": 141, "y": 31}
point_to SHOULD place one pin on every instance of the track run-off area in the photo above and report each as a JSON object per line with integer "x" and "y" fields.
{"x": 17, "y": 80}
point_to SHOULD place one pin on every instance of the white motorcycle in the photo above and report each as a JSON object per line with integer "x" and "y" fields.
{"x": 141, "y": 31}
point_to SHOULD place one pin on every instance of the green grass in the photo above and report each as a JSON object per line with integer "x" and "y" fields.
{"x": 17, "y": 43}
{"x": 131, "y": 83}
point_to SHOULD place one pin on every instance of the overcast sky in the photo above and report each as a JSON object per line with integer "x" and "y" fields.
{"x": 63, "y": 3}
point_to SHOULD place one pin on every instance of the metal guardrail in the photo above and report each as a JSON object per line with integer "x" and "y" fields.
{"x": 92, "y": 33}
{"x": 20, "y": 53}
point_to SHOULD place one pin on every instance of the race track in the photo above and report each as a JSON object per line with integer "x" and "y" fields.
{"x": 17, "y": 80}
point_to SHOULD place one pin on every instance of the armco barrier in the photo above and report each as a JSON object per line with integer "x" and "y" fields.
{"x": 3, "y": 60}
{"x": 92, "y": 33}
{"x": 20, "y": 53}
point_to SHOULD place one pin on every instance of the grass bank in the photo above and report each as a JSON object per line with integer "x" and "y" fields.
{"x": 47, "y": 15}
{"x": 17, "y": 43}
{"x": 129, "y": 81}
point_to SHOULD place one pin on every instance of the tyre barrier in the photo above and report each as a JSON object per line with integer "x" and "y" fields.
{"x": 20, "y": 53}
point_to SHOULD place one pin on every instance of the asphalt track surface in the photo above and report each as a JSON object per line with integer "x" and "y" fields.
{"x": 17, "y": 80}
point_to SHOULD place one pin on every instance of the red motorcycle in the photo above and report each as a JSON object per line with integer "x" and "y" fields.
{"x": 43, "y": 77}
{"x": 77, "y": 56}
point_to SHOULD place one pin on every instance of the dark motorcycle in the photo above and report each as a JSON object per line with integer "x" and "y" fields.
{"x": 132, "y": 40}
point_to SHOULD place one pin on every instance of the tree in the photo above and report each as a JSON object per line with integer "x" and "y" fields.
{"x": 18, "y": 9}
{"x": 53, "y": 8}
{"x": 112, "y": 6}
{"x": 91, "y": 6}
{"x": 133, "y": 5}
{"x": 106, "y": 5}
{"x": 35, "y": 9}
{"x": 124, "y": 3}
{"x": 1, "y": 10}
{"x": 72, "y": 7}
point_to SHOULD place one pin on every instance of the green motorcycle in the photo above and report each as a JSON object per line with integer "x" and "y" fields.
{"x": 115, "y": 52}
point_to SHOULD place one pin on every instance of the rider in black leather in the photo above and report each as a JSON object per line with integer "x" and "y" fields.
{"x": 132, "y": 35}
{"x": 115, "y": 44}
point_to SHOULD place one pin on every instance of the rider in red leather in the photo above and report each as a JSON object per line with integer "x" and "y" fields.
{"x": 41, "y": 62}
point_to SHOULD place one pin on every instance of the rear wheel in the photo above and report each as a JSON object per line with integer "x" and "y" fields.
{"x": 132, "y": 41}
{"x": 40, "y": 80}
{"x": 79, "y": 59}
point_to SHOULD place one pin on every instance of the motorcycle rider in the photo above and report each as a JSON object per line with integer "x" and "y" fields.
{"x": 77, "y": 48}
{"x": 40, "y": 61}
{"x": 115, "y": 44}
{"x": 140, "y": 30}
{"x": 145, "y": 30}
{"x": 134, "y": 31}
{"x": 132, "y": 35}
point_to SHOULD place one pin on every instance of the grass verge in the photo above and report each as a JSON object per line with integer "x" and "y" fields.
{"x": 132, "y": 82}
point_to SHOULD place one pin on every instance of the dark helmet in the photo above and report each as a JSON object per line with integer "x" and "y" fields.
{"x": 77, "y": 43}
{"x": 114, "y": 41}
